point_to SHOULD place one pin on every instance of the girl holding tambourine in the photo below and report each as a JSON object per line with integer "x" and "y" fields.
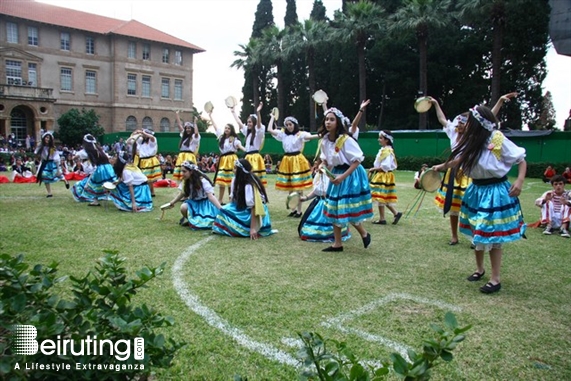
{"x": 229, "y": 144}
{"x": 383, "y": 179}
{"x": 254, "y": 131}
{"x": 294, "y": 171}
{"x": 189, "y": 143}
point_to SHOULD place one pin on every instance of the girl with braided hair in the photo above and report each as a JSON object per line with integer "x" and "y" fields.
{"x": 247, "y": 214}
{"x": 491, "y": 213}
{"x": 200, "y": 205}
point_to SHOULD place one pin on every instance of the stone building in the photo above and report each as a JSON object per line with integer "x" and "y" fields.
{"x": 53, "y": 59}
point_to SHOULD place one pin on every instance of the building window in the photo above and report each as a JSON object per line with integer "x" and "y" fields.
{"x": 13, "y": 72}
{"x": 90, "y": 82}
{"x": 147, "y": 123}
{"x": 65, "y": 79}
{"x": 178, "y": 89}
{"x": 132, "y": 50}
{"x": 165, "y": 55}
{"x": 165, "y": 87}
{"x": 146, "y": 52}
{"x": 131, "y": 84}
{"x": 131, "y": 123}
{"x": 178, "y": 57}
{"x": 89, "y": 45}
{"x": 64, "y": 41}
{"x": 165, "y": 125}
{"x": 32, "y": 36}
{"x": 12, "y": 32}
{"x": 146, "y": 86}
{"x": 32, "y": 74}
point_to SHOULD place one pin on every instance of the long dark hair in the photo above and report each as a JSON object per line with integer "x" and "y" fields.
{"x": 389, "y": 142}
{"x": 95, "y": 152}
{"x": 191, "y": 186}
{"x": 473, "y": 141}
{"x": 120, "y": 163}
{"x": 340, "y": 130}
{"x": 51, "y": 145}
{"x": 186, "y": 136}
{"x": 252, "y": 132}
{"x": 241, "y": 179}
{"x": 295, "y": 128}
{"x": 223, "y": 137}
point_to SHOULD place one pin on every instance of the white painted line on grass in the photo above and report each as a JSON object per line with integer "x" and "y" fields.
{"x": 212, "y": 318}
{"x": 396, "y": 346}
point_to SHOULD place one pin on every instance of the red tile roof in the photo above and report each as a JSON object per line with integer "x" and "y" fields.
{"x": 69, "y": 18}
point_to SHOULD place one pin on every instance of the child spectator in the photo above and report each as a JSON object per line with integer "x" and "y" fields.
{"x": 555, "y": 207}
{"x": 548, "y": 174}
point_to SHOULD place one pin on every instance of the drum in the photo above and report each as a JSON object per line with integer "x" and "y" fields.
{"x": 231, "y": 102}
{"x": 320, "y": 97}
{"x": 109, "y": 185}
{"x": 292, "y": 200}
{"x": 422, "y": 104}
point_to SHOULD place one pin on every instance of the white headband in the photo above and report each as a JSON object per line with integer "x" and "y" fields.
{"x": 239, "y": 165}
{"x": 47, "y": 133}
{"x": 291, "y": 119}
{"x": 386, "y": 136}
{"x": 89, "y": 139}
{"x": 189, "y": 165}
{"x": 335, "y": 111}
{"x": 488, "y": 125}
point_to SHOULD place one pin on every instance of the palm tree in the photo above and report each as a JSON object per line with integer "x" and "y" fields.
{"x": 272, "y": 53}
{"x": 360, "y": 24}
{"x": 419, "y": 16}
{"x": 496, "y": 11}
{"x": 306, "y": 38}
{"x": 250, "y": 60}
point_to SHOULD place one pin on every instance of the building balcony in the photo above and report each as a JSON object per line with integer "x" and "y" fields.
{"x": 28, "y": 92}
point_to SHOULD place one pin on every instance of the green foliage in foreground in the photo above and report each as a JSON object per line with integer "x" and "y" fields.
{"x": 101, "y": 306}
{"x": 344, "y": 365}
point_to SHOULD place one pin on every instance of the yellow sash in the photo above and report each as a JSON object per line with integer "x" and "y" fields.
{"x": 132, "y": 167}
{"x": 386, "y": 152}
{"x": 340, "y": 142}
{"x": 258, "y": 203}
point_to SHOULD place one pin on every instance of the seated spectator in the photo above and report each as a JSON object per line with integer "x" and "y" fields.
{"x": 555, "y": 207}
{"x": 567, "y": 175}
{"x": 548, "y": 174}
{"x": 21, "y": 174}
{"x": 418, "y": 174}
{"x": 268, "y": 162}
{"x": 168, "y": 166}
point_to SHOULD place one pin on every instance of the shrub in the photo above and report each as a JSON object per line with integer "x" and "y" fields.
{"x": 101, "y": 306}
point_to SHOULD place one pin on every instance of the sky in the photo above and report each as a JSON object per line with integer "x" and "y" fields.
{"x": 220, "y": 26}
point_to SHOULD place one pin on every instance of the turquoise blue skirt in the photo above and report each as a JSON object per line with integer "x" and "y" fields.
{"x": 201, "y": 214}
{"x": 121, "y": 197}
{"x": 49, "y": 173}
{"x": 236, "y": 223}
{"x": 91, "y": 188}
{"x": 350, "y": 201}
{"x": 489, "y": 215}
{"x": 315, "y": 227}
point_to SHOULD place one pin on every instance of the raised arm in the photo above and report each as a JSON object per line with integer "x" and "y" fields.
{"x": 357, "y": 118}
{"x": 213, "y": 123}
{"x": 236, "y": 118}
{"x": 151, "y": 137}
{"x": 503, "y": 99}
{"x": 439, "y": 113}
{"x": 271, "y": 126}
{"x": 180, "y": 126}
{"x": 196, "y": 131}
{"x": 259, "y": 116}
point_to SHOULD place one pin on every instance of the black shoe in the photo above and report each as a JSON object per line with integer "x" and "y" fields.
{"x": 331, "y": 248}
{"x": 490, "y": 288}
{"x": 292, "y": 214}
{"x": 49, "y": 195}
{"x": 397, "y": 218}
{"x": 66, "y": 185}
{"x": 366, "y": 240}
{"x": 297, "y": 215}
{"x": 380, "y": 222}
{"x": 476, "y": 276}
{"x": 452, "y": 243}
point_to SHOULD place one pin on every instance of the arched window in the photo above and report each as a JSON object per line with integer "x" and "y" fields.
{"x": 147, "y": 123}
{"x": 18, "y": 125}
{"x": 165, "y": 125}
{"x": 131, "y": 123}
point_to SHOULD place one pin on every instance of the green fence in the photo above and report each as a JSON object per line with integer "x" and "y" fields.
{"x": 553, "y": 148}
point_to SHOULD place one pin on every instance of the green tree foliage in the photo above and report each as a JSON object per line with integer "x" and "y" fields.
{"x": 318, "y": 12}
{"x": 74, "y": 124}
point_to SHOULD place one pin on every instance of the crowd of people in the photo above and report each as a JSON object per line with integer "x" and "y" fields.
{"x": 475, "y": 191}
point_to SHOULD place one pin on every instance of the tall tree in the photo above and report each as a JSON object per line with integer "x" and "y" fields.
{"x": 419, "y": 16}
{"x": 290, "y": 17}
{"x": 272, "y": 53}
{"x": 362, "y": 22}
{"x": 264, "y": 18}
{"x": 318, "y": 12}
{"x": 306, "y": 38}
{"x": 250, "y": 60}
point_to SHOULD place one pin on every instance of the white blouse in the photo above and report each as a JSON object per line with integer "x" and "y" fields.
{"x": 146, "y": 150}
{"x": 258, "y": 140}
{"x": 203, "y": 193}
{"x": 347, "y": 154}
{"x": 388, "y": 163}
{"x": 452, "y": 133}
{"x": 248, "y": 193}
{"x": 292, "y": 143}
{"x": 192, "y": 145}
{"x": 489, "y": 166}
{"x": 133, "y": 177}
{"x": 45, "y": 154}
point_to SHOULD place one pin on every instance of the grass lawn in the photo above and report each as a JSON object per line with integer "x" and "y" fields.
{"x": 239, "y": 303}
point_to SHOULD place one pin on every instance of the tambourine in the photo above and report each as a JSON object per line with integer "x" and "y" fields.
{"x": 293, "y": 200}
{"x": 275, "y": 113}
{"x": 230, "y": 102}
{"x": 108, "y": 185}
{"x": 320, "y": 97}
{"x": 165, "y": 207}
{"x": 327, "y": 173}
{"x": 208, "y": 107}
{"x": 430, "y": 181}
{"x": 422, "y": 104}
